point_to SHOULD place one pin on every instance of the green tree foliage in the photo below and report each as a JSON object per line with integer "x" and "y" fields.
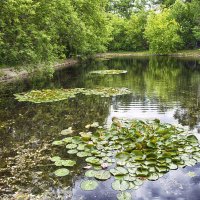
{"x": 162, "y": 33}
{"x": 195, "y": 8}
{"x": 118, "y": 41}
{"x": 134, "y": 32}
{"x": 183, "y": 14}
{"x": 43, "y": 30}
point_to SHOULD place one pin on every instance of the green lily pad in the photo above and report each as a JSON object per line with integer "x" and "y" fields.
{"x": 71, "y": 146}
{"x": 102, "y": 175}
{"x": 118, "y": 171}
{"x": 93, "y": 160}
{"x": 120, "y": 185}
{"x": 68, "y": 131}
{"x": 90, "y": 173}
{"x": 58, "y": 143}
{"x": 72, "y": 151}
{"x": 83, "y": 154}
{"x": 89, "y": 185}
{"x": 68, "y": 163}
{"x": 124, "y": 196}
{"x": 61, "y": 172}
{"x": 55, "y": 158}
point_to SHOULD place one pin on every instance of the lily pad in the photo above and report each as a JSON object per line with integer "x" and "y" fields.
{"x": 120, "y": 185}
{"x": 71, "y": 146}
{"x": 61, "y": 172}
{"x": 68, "y": 163}
{"x": 55, "y": 158}
{"x": 89, "y": 185}
{"x": 119, "y": 171}
{"x": 90, "y": 173}
{"x": 68, "y": 131}
{"x": 102, "y": 175}
{"x": 124, "y": 196}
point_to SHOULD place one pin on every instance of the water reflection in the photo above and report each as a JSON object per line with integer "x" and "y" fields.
{"x": 164, "y": 88}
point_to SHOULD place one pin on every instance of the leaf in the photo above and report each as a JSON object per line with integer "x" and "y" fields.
{"x": 90, "y": 173}
{"x": 102, "y": 175}
{"x": 67, "y": 131}
{"x": 153, "y": 177}
{"x": 120, "y": 185}
{"x": 83, "y": 154}
{"x": 191, "y": 174}
{"x": 124, "y": 196}
{"x": 68, "y": 163}
{"x": 192, "y": 138}
{"x": 72, "y": 151}
{"x": 122, "y": 156}
{"x": 55, "y": 158}
{"x": 89, "y": 185}
{"x": 71, "y": 146}
{"x": 119, "y": 171}
{"x": 93, "y": 160}
{"x": 58, "y": 143}
{"x": 61, "y": 172}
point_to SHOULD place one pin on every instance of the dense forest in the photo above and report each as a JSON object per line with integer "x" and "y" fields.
{"x": 35, "y": 31}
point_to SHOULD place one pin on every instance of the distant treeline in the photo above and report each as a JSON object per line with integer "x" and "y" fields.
{"x": 34, "y": 31}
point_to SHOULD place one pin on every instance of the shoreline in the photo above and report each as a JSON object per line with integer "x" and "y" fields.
{"x": 195, "y": 54}
{"x": 11, "y": 74}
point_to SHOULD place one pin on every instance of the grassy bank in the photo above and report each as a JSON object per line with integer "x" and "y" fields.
{"x": 183, "y": 53}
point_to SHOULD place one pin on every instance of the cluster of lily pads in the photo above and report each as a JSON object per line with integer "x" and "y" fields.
{"x": 108, "y": 72}
{"x": 130, "y": 152}
{"x": 48, "y": 95}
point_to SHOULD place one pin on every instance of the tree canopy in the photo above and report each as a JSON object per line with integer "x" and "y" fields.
{"x": 34, "y": 31}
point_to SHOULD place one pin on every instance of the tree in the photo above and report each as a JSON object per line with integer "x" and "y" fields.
{"x": 162, "y": 33}
{"x": 183, "y": 14}
{"x": 135, "y": 31}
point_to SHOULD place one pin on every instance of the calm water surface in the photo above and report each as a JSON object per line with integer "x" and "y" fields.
{"x": 164, "y": 88}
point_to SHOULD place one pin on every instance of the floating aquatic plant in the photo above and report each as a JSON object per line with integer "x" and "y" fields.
{"x": 44, "y": 96}
{"x": 132, "y": 152}
{"x": 108, "y": 72}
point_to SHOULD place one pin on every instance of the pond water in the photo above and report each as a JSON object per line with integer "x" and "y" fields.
{"x": 163, "y": 87}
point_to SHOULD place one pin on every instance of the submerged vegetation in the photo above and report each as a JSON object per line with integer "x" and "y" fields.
{"x": 44, "y": 96}
{"x": 130, "y": 152}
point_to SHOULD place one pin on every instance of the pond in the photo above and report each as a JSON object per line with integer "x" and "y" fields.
{"x": 165, "y": 88}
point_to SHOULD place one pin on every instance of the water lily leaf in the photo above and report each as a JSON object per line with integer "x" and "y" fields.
{"x": 102, "y": 175}
{"x": 61, "y": 172}
{"x": 90, "y": 173}
{"x": 81, "y": 147}
{"x": 191, "y": 174}
{"x": 124, "y": 196}
{"x": 192, "y": 138}
{"x": 89, "y": 185}
{"x": 122, "y": 156}
{"x": 68, "y": 163}
{"x": 133, "y": 186}
{"x": 93, "y": 160}
{"x": 58, "y": 163}
{"x": 118, "y": 171}
{"x": 67, "y": 131}
{"x": 138, "y": 182}
{"x": 83, "y": 154}
{"x": 55, "y": 158}
{"x": 57, "y": 143}
{"x": 173, "y": 166}
{"x": 72, "y": 151}
{"x": 94, "y": 125}
{"x": 71, "y": 146}
{"x": 120, "y": 185}
{"x": 153, "y": 177}
{"x": 67, "y": 140}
